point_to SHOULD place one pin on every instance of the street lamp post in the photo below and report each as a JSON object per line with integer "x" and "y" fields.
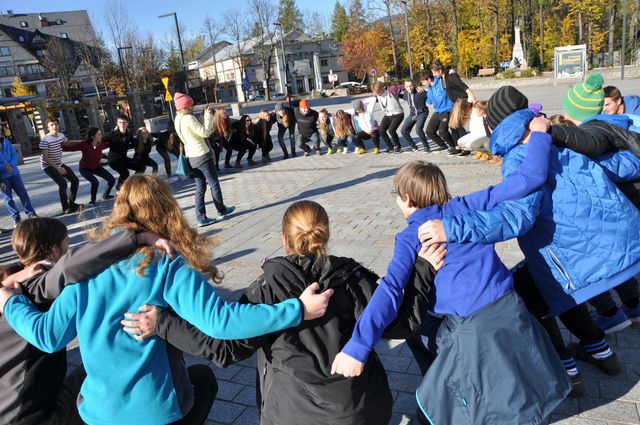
{"x": 624, "y": 37}
{"x": 184, "y": 68}
{"x": 284, "y": 60}
{"x": 124, "y": 76}
{"x": 406, "y": 24}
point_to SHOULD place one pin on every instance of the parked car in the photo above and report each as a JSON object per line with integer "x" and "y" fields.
{"x": 353, "y": 86}
{"x": 258, "y": 97}
{"x": 278, "y": 96}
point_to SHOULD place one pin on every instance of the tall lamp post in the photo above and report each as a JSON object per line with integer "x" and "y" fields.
{"x": 124, "y": 76}
{"x": 624, "y": 37}
{"x": 284, "y": 60}
{"x": 406, "y": 25}
{"x": 184, "y": 68}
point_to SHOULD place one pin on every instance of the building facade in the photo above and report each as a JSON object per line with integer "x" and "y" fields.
{"x": 25, "y": 39}
{"x": 241, "y": 76}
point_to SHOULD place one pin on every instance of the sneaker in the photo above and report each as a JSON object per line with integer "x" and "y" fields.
{"x": 485, "y": 156}
{"x": 345, "y": 151}
{"x": 319, "y": 152}
{"x": 33, "y": 216}
{"x": 414, "y": 148}
{"x": 633, "y": 314}
{"x": 238, "y": 165}
{"x": 453, "y": 151}
{"x": 286, "y": 156}
{"x": 577, "y": 385}
{"x": 613, "y": 323}
{"x": 376, "y": 151}
{"x": 387, "y": 150}
{"x": 477, "y": 155}
{"x": 438, "y": 148}
{"x": 305, "y": 154}
{"x": 339, "y": 149}
{"x": 16, "y": 220}
{"x": 251, "y": 162}
{"x": 228, "y": 166}
{"x": 225, "y": 213}
{"x": 397, "y": 150}
{"x": 206, "y": 222}
{"x": 330, "y": 151}
{"x": 464, "y": 153}
{"x": 361, "y": 151}
{"x": 75, "y": 207}
{"x": 609, "y": 365}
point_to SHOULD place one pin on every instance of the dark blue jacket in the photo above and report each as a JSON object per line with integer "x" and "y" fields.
{"x": 455, "y": 294}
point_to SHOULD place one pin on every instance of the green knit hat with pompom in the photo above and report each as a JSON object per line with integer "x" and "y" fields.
{"x": 585, "y": 100}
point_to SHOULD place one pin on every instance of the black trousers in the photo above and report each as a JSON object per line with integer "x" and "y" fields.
{"x": 242, "y": 149}
{"x": 438, "y": 130}
{"x": 361, "y": 135}
{"x": 303, "y": 140}
{"x": 148, "y": 162}
{"x": 205, "y": 389}
{"x": 577, "y": 319}
{"x": 122, "y": 167}
{"x": 164, "y": 153}
{"x": 389, "y": 130}
{"x": 628, "y": 292}
{"x": 456, "y": 134}
{"x": 292, "y": 142}
{"x": 65, "y": 409}
{"x": 418, "y": 121}
{"x": 66, "y": 199}
{"x": 90, "y": 176}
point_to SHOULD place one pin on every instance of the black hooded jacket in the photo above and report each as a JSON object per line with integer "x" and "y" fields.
{"x": 294, "y": 366}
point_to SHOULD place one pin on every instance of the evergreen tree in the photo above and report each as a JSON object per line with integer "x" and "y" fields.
{"x": 339, "y": 22}
{"x": 289, "y": 16}
{"x": 357, "y": 15}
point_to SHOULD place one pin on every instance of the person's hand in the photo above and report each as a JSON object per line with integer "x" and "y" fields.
{"x": 346, "y": 366}
{"x": 432, "y": 232}
{"x": 9, "y": 168}
{"x": 6, "y": 293}
{"x": 61, "y": 170}
{"x": 434, "y": 254}
{"x": 420, "y": 89}
{"x": 26, "y": 274}
{"x": 540, "y": 123}
{"x": 151, "y": 239}
{"x": 314, "y": 304}
{"x": 141, "y": 325}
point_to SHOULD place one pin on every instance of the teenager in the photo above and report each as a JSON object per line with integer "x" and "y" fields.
{"x": 262, "y": 133}
{"x": 286, "y": 119}
{"x": 307, "y": 121}
{"x": 120, "y": 141}
{"x": 389, "y": 101}
{"x": 615, "y": 103}
{"x": 438, "y": 125}
{"x": 51, "y": 147}
{"x": 418, "y": 113}
{"x": 10, "y": 181}
{"x": 143, "y": 150}
{"x": 365, "y": 125}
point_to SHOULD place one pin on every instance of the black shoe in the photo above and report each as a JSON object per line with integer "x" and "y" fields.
{"x": 397, "y": 150}
{"x": 438, "y": 148}
{"x": 464, "y": 153}
{"x": 266, "y": 158}
{"x": 427, "y": 150}
{"x": 251, "y": 162}
{"x": 387, "y": 150}
{"x": 414, "y": 148}
{"x": 610, "y": 365}
{"x": 107, "y": 197}
{"x": 318, "y": 152}
{"x": 286, "y": 156}
{"x": 76, "y": 207}
{"x": 453, "y": 152}
{"x": 293, "y": 154}
{"x": 228, "y": 166}
{"x": 577, "y": 385}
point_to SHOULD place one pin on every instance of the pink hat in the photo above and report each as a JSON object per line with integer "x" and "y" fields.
{"x": 182, "y": 101}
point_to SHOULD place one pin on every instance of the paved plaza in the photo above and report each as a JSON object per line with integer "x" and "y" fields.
{"x": 356, "y": 192}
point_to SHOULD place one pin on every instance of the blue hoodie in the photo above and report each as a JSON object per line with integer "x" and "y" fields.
{"x": 8, "y": 155}
{"x": 455, "y": 293}
{"x": 437, "y": 96}
{"x": 129, "y": 381}
{"x": 631, "y": 105}
{"x": 579, "y": 234}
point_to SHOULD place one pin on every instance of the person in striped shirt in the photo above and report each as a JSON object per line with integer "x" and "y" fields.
{"x": 51, "y": 147}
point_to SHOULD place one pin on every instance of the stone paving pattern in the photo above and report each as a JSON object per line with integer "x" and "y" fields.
{"x": 356, "y": 191}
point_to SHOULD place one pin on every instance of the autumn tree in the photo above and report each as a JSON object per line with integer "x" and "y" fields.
{"x": 263, "y": 13}
{"x": 365, "y": 50}
{"x": 339, "y": 22}
{"x": 19, "y": 89}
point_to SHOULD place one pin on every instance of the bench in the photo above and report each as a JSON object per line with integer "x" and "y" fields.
{"x": 486, "y": 72}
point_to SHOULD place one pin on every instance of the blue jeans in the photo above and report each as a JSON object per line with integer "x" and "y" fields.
{"x": 204, "y": 172}
{"x": 90, "y": 174}
{"x": 15, "y": 184}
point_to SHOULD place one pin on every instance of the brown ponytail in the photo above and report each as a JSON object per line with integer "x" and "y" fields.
{"x": 305, "y": 228}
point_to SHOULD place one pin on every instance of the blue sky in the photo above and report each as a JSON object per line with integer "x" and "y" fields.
{"x": 144, "y": 13}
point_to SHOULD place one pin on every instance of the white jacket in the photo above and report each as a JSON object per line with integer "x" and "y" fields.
{"x": 193, "y": 134}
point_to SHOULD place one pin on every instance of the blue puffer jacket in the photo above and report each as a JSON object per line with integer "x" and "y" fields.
{"x": 631, "y": 104}
{"x": 580, "y": 235}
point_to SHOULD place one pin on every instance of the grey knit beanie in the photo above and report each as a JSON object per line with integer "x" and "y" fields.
{"x": 505, "y": 101}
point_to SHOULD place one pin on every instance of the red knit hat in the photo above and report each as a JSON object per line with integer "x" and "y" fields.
{"x": 304, "y": 103}
{"x": 182, "y": 101}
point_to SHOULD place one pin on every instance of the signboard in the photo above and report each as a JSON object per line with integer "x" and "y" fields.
{"x": 506, "y": 64}
{"x": 165, "y": 83}
{"x": 333, "y": 77}
{"x": 373, "y": 72}
{"x": 245, "y": 84}
{"x": 264, "y": 84}
{"x": 302, "y": 67}
{"x": 570, "y": 61}
{"x": 192, "y": 65}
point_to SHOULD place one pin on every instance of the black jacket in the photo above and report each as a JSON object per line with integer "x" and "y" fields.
{"x": 294, "y": 365}
{"x": 454, "y": 86}
{"x": 595, "y": 138}
{"x": 29, "y": 378}
{"x": 119, "y": 144}
{"x": 307, "y": 124}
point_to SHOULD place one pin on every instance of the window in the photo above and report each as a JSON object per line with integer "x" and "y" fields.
{"x": 63, "y": 34}
{"x": 4, "y": 51}
{"x": 7, "y": 71}
{"x": 24, "y": 24}
{"x": 30, "y": 69}
{"x": 324, "y": 62}
{"x": 21, "y": 39}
